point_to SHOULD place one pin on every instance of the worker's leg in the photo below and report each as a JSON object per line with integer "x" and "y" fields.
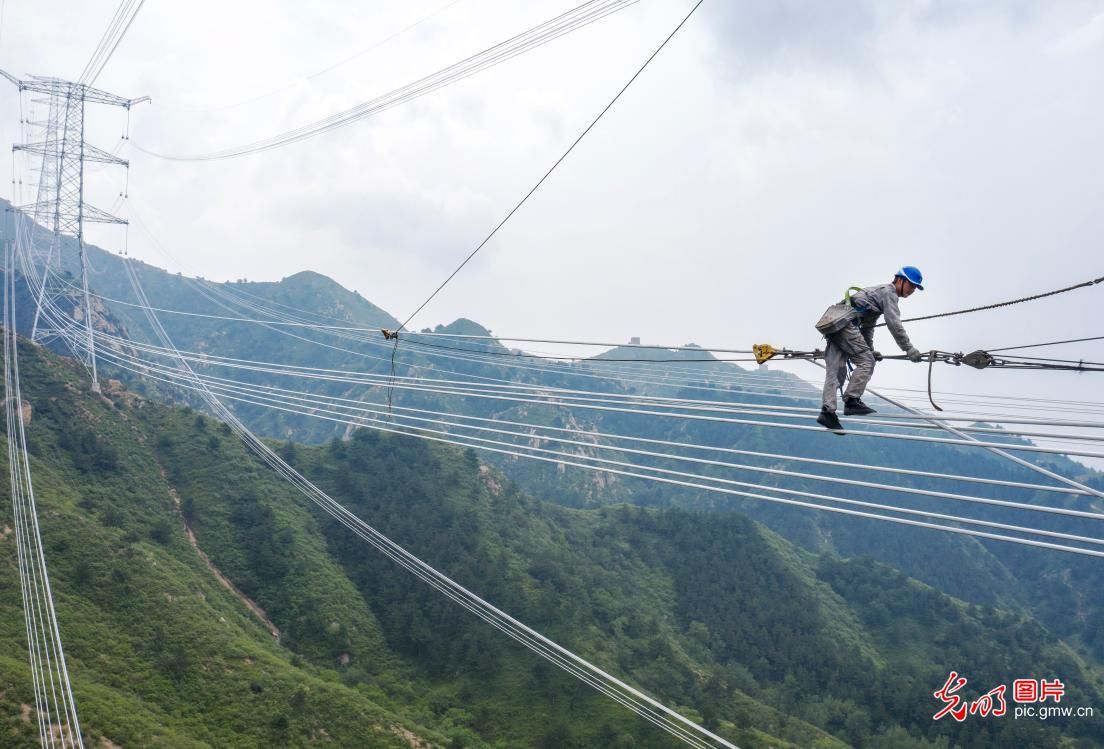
{"x": 854, "y": 346}
{"x": 835, "y": 368}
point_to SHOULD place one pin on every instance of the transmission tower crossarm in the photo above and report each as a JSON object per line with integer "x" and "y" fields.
{"x": 91, "y": 153}
{"x": 70, "y": 215}
{"x": 57, "y": 87}
{"x": 98, "y": 216}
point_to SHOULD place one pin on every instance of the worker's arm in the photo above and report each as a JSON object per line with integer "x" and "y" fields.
{"x": 893, "y": 319}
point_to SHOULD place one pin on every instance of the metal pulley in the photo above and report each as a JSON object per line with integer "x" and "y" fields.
{"x": 978, "y": 359}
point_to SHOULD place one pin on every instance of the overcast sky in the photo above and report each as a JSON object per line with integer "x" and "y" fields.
{"x": 774, "y": 154}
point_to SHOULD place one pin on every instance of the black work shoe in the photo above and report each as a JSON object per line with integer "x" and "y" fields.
{"x": 829, "y": 420}
{"x": 855, "y": 407}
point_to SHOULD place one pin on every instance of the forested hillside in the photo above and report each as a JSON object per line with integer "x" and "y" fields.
{"x": 1061, "y": 590}
{"x": 769, "y": 644}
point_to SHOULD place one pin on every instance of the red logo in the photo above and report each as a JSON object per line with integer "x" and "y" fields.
{"x": 953, "y": 704}
{"x": 1048, "y": 689}
{"x": 1024, "y": 691}
{"x": 990, "y": 703}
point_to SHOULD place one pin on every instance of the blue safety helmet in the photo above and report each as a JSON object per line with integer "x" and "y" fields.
{"x": 913, "y": 274}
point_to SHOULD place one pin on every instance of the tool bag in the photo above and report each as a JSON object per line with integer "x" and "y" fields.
{"x": 839, "y": 315}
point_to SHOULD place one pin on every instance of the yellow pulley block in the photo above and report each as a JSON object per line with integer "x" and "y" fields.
{"x": 763, "y": 352}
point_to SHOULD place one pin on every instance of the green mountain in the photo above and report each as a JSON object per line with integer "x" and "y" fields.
{"x": 1000, "y": 586}
{"x": 766, "y": 643}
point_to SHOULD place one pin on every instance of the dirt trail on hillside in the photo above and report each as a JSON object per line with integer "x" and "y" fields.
{"x": 226, "y": 583}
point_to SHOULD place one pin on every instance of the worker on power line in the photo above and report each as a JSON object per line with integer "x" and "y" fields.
{"x": 849, "y": 330}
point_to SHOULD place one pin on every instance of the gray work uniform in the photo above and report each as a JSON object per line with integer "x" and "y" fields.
{"x": 855, "y": 343}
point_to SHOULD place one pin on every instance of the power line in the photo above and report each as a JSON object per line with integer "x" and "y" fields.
{"x": 604, "y": 344}
{"x": 535, "y": 390}
{"x": 55, "y": 707}
{"x": 553, "y": 357}
{"x": 995, "y": 449}
{"x": 642, "y": 405}
{"x": 565, "y": 23}
{"x": 311, "y": 403}
{"x": 116, "y": 30}
{"x": 240, "y": 387}
{"x": 559, "y": 458}
{"x": 248, "y": 395}
{"x": 1023, "y": 362}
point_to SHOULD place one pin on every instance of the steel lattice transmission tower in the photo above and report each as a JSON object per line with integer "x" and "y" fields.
{"x": 60, "y": 205}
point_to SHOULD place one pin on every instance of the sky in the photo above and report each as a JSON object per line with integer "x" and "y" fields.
{"x": 772, "y": 155}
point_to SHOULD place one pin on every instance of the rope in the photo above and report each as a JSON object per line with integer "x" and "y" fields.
{"x": 1051, "y": 343}
{"x": 1009, "y": 303}
{"x": 553, "y": 167}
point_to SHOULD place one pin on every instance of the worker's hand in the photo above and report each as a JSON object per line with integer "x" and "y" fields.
{"x": 878, "y": 356}
{"x": 914, "y": 355}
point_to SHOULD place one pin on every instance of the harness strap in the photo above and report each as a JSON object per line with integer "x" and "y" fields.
{"x": 850, "y": 303}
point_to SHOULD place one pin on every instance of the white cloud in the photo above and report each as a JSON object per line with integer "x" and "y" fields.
{"x": 1082, "y": 38}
